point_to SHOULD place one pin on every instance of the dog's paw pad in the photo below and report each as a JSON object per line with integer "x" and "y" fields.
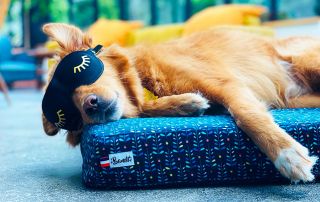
{"x": 296, "y": 164}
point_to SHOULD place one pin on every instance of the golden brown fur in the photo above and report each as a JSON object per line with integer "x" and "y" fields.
{"x": 245, "y": 73}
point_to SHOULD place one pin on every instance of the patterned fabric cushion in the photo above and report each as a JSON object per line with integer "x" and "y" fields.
{"x": 187, "y": 151}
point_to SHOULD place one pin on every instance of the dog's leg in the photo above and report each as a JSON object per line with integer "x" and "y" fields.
{"x": 289, "y": 157}
{"x": 307, "y": 67}
{"x": 305, "y": 101}
{"x": 188, "y": 104}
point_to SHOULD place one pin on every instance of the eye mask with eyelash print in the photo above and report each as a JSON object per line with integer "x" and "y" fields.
{"x": 76, "y": 69}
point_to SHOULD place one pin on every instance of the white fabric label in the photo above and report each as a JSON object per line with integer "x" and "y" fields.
{"x": 121, "y": 159}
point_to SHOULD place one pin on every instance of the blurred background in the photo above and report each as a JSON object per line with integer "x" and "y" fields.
{"x": 22, "y": 21}
{"x": 25, "y": 17}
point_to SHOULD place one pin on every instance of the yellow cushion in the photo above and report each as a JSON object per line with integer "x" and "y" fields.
{"x": 232, "y": 14}
{"x": 260, "y": 30}
{"x": 148, "y": 95}
{"x": 51, "y": 45}
{"x": 251, "y": 20}
{"x": 51, "y": 62}
{"x": 155, "y": 34}
{"x": 107, "y": 32}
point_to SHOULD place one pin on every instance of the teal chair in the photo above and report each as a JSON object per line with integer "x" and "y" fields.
{"x": 15, "y": 67}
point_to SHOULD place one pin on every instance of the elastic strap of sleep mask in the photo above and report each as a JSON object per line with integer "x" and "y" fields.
{"x": 97, "y": 49}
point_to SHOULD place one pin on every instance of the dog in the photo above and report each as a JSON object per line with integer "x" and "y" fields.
{"x": 245, "y": 73}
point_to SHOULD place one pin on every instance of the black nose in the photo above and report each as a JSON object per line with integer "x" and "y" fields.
{"x": 94, "y": 105}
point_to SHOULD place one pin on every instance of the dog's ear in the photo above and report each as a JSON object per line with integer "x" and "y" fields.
{"x": 74, "y": 137}
{"x": 70, "y": 38}
{"x": 48, "y": 127}
{"x": 116, "y": 54}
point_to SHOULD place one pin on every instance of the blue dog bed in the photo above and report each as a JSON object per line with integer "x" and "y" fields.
{"x": 144, "y": 152}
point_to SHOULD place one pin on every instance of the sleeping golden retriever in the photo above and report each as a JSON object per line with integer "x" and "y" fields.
{"x": 245, "y": 73}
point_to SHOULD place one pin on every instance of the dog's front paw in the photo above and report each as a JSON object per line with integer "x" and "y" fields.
{"x": 192, "y": 105}
{"x": 295, "y": 163}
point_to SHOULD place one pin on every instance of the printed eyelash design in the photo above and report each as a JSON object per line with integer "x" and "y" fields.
{"x": 85, "y": 61}
{"x": 61, "y": 119}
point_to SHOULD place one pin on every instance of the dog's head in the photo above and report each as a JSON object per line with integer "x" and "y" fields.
{"x": 116, "y": 94}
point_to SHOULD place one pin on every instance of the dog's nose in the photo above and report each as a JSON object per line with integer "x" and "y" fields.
{"x": 90, "y": 104}
{"x": 94, "y": 105}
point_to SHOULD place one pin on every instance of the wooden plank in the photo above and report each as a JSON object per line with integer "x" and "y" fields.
{"x": 292, "y": 22}
{"x": 4, "y": 88}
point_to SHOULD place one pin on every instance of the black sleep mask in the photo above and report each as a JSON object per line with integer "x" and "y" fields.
{"x": 76, "y": 69}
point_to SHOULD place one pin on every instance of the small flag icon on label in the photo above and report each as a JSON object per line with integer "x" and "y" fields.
{"x": 104, "y": 162}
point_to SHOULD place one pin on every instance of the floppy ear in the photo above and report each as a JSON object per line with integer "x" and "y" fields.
{"x": 129, "y": 76}
{"x": 118, "y": 58}
{"x": 69, "y": 37}
{"x": 48, "y": 127}
{"x": 74, "y": 137}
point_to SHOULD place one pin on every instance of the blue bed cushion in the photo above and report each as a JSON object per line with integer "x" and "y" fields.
{"x": 188, "y": 151}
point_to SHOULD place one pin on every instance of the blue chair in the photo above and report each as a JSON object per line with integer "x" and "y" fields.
{"x": 15, "y": 67}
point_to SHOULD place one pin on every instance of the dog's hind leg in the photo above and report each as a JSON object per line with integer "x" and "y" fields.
{"x": 303, "y": 53}
{"x": 307, "y": 68}
{"x": 289, "y": 157}
{"x": 305, "y": 101}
